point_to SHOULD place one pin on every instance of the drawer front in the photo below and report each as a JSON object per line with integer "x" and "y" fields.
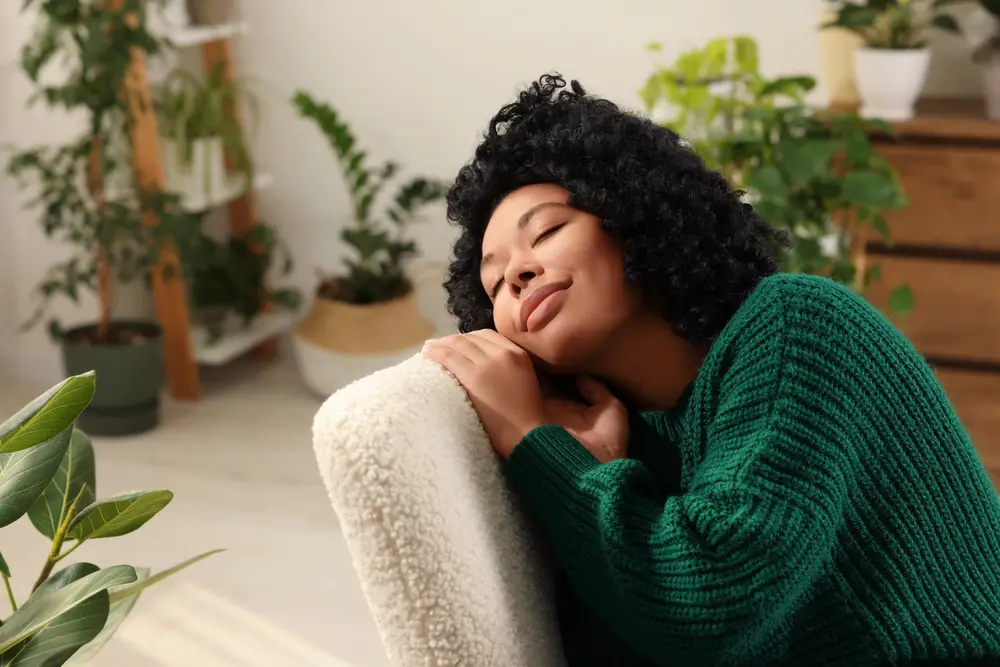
{"x": 976, "y": 397}
{"x": 954, "y": 196}
{"x": 957, "y": 311}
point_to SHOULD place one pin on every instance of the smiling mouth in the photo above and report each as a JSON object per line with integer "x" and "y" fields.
{"x": 541, "y": 305}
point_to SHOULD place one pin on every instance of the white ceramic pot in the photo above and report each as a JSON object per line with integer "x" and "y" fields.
{"x": 195, "y": 181}
{"x": 890, "y": 81}
{"x": 991, "y": 88}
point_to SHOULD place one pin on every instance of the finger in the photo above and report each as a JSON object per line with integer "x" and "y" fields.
{"x": 451, "y": 359}
{"x": 593, "y": 391}
{"x": 493, "y": 339}
{"x": 471, "y": 348}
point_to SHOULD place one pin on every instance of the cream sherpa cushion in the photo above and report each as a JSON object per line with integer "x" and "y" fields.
{"x": 447, "y": 563}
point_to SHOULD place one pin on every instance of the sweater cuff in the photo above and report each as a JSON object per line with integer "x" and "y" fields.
{"x": 548, "y": 463}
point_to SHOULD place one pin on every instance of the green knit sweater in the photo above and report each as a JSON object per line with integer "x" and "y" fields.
{"x": 811, "y": 500}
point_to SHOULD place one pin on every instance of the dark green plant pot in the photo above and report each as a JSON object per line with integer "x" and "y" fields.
{"x": 129, "y": 376}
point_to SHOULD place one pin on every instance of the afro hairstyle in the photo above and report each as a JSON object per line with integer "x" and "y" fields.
{"x": 691, "y": 245}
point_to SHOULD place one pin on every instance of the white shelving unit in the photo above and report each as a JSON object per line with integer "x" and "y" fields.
{"x": 236, "y": 341}
{"x": 197, "y": 35}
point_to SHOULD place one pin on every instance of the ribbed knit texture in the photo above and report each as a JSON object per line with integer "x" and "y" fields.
{"x": 812, "y": 500}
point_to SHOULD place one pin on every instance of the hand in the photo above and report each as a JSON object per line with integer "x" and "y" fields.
{"x": 600, "y": 424}
{"x": 500, "y": 380}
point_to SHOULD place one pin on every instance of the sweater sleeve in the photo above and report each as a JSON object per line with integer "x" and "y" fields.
{"x": 717, "y": 571}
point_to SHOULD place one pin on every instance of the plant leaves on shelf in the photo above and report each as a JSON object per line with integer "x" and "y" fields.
{"x": 64, "y": 635}
{"x": 76, "y": 475}
{"x": 116, "y": 615}
{"x": 138, "y": 586}
{"x": 118, "y": 515}
{"x": 43, "y": 607}
{"x": 901, "y": 300}
{"x": 48, "y": 415}
{"x": 874, "y": 189}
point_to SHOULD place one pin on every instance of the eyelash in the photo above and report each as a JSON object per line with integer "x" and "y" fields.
{"x": 546, "y": 233}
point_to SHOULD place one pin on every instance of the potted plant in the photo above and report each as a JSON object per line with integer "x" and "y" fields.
{"x": 47, "y": 472}
{"x": 199, "y": 132}
{"x": 816, "y": 175}
{"x": 370, "y": 308}
{"x": 227, "y": 278}
{"x": 983, "y": 36}
{"x": 891, "y": 65}
{"x": 78, "y": 208}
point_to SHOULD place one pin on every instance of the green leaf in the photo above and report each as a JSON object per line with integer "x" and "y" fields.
{"x": 135, "y": 588}
{"x": 48, "y": 415}
{"x": 769, "y": 183}
{"x": 25, "y": 474}
{"x": 947, "y": 23}
{"x": 792, "y": 86}
{"x": 41, "y": 609}
{"x": 64, "y": 635}
{"x": 992, "y": 6}
{"x": 118, "y": 515}
{"x": 118, "y": 612}
{"x": 901, "y": 300}
{"x": 881, "y": 225}
{"x": 4, "y": 567}
{"x": 804, "y": 160}
{"x": 874, "y": 189}
{"x": 76, "y": 472}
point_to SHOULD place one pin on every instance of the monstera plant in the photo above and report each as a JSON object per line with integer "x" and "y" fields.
{"x": 47, "y": 472}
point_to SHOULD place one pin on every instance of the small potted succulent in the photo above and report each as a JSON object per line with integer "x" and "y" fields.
{"x": 370, "y": 308}
{"x": 890, "y": 67}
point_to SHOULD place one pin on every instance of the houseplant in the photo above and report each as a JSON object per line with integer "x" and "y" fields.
{"x": 47, "y": 472}
{"x": 199, "y": 132}
{"x": 370, "y": 308}
{"x": 816, "y": 175}
{"x": 983, "y": 35}
{"x": 78, "y": 208}
{"x": 891, "y": 66}
{"x": 226, "y": 278}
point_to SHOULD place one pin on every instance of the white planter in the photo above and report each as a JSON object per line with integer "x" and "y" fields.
{"x": 991, "y": 88}
{"x": 890, "y": 81}
{"x": 197, "y": 180}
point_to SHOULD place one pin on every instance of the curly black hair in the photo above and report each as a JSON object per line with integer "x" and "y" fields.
{"x": 690, "y": 243}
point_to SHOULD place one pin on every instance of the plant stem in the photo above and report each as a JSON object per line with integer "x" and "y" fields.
{"x": 68, "y": 551}
{"x": 95, "y": 185}
{"x": 10, "y": 592}
{"x": 57, "y": 542}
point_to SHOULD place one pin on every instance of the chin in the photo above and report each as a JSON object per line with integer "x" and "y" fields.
{"x": 561, "y": 353}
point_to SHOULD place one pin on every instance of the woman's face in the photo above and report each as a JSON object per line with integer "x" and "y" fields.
{"x": 556, "y": 279}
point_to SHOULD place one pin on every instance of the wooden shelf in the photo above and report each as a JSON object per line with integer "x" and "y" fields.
{"x": 946, "y": 118}
{"x": 198, "y": 35}
{"x": 236, "y": 342}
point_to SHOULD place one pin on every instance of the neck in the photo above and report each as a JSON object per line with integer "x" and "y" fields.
{"x": 650, "y": 365}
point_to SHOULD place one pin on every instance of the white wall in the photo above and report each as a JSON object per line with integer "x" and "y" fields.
{"x": 418, "y": 81}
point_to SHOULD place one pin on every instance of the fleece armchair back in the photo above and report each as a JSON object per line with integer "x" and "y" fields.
{"x": 450, "y": 567}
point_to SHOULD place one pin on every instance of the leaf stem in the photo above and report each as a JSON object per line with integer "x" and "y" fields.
{"x": 10, "y": 592}
{"x": 68, "y": 552}
{"x": 57, "y": 542}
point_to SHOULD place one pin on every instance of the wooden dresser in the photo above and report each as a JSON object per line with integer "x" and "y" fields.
{"x": 947, "y": 248}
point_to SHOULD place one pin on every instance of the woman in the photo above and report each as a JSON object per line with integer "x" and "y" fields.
{"x": 758, "y": 468}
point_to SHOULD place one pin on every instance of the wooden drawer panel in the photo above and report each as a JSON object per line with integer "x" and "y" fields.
{"x": 976, "y": 397}
{"x": 954, "y": 196}
{"x": 957, "y": 312}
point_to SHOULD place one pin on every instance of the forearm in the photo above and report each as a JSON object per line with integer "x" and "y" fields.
{"x": 690, "y": 573}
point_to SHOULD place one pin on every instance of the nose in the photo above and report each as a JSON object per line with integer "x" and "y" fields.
{"x": 520, "y": 274}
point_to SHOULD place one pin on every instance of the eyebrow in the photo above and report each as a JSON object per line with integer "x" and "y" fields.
{"x": 522, "y": 222}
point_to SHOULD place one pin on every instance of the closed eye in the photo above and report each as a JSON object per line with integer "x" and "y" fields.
{"x": 496, "y": 289}
{"x": 547, "y": 233}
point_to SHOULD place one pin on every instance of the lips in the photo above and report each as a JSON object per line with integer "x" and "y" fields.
{"x": 536, "y": 298}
